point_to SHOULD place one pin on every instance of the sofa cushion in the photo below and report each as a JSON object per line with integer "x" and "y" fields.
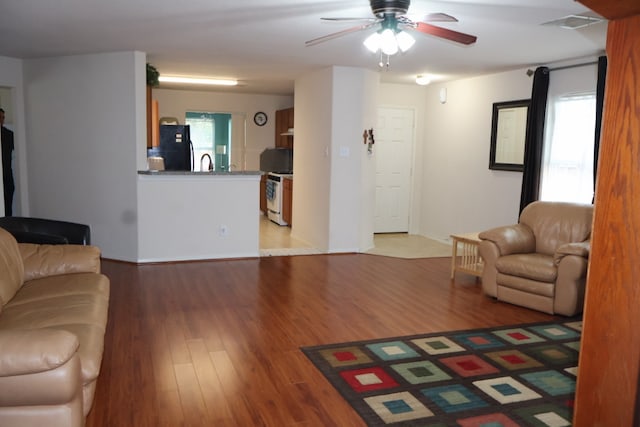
{"x": 532, "y": 266}
{"x": 11, "y": 267}
{"x": 50, "y": 260}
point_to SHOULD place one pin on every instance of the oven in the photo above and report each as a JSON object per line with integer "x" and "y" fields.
{"x": 274, "y": 197}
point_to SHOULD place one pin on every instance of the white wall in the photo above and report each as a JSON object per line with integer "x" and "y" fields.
{"x": 86, "y": 139}
{"x": 352, "y": 198}
{"x": 11, "y": 78}
{"x": 175, "y": 103}
{"x": 333, "y": 193}
{"x": 459, "y": 192}
{"x": 181, "y": 217}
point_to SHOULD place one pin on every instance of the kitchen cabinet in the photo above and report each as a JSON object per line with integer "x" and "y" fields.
{"x": 284, "y": 122}
{"x": 263, "y": 193}
{"x": 287, "y": 199}
{"x": 153, "y": 126}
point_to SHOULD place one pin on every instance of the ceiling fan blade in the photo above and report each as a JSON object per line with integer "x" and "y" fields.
{"x": 439, "y": 17}
{"x": 339, "y": 34}
{"x": 351, "y": 19}
{"x": 445, "y": 33}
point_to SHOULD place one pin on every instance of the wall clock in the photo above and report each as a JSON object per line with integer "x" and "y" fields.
{"x": 260, "y": 118}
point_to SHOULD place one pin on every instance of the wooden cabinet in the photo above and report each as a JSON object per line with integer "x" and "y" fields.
{"x": 284, "y": 122}
{"x": 287, "y": 199}
{"x": 263, "y": 193}
{"x": 153, "y": 127}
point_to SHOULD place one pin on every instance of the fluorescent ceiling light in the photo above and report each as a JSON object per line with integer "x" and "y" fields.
{"x": 197, "y": 80}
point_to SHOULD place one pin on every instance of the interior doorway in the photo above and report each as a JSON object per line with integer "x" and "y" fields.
{"x": 9, "y": 150}
{"x": 394, "y": 148}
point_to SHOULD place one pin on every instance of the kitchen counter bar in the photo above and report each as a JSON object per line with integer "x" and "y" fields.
{"x": 197, "y": 173}
{"x": 186, "y": 216}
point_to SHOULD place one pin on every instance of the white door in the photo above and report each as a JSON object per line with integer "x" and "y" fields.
{"x": 393, "y": 152}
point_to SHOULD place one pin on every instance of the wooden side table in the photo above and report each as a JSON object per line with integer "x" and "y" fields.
{"x": 469, "y": 261}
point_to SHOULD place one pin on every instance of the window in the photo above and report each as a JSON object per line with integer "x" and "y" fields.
{"x": 211, "y": 134}
{"x": 202, "y": 130}
{"x": 567, "y": 166}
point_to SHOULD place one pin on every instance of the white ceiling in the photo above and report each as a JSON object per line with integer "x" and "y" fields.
{"x": 262, "y": 42}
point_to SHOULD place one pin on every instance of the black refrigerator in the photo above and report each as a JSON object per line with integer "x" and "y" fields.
{"x": 175, "y": 148}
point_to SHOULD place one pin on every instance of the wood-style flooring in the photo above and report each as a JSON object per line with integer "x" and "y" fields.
{"x": 217, "y": 343}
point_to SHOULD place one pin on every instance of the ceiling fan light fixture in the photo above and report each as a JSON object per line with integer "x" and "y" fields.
{"x": 388, "y": 42}
{"x": 372, "y": 43}
{"x": 405, "y": 41}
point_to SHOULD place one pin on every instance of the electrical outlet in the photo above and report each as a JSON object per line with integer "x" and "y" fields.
{"x": 223, "y": 231}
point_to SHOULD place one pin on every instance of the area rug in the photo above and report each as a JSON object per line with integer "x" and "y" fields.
{"x": 522, "y": 375}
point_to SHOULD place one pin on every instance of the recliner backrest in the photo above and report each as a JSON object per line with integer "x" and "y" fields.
{"x": 556, "y": 223}
{"x": 46, "y": 231}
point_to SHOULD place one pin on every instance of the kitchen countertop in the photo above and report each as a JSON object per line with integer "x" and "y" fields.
{"x": 198, "y": 173}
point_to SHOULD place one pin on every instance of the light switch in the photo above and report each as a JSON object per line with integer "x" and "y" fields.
{"x": 344, "y": 152}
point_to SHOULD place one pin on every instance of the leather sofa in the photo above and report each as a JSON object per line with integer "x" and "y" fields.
{"x": 53, "y": 315}
{"x": 541, "y": 262}
{"x": 46, "y": 231}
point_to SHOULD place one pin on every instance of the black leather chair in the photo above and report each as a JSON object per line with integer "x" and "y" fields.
{"x": 46, "y": 231}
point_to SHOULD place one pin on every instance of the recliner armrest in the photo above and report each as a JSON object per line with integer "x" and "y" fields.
{"x": 511, "y": 239}
{"x": 580, "y": 249}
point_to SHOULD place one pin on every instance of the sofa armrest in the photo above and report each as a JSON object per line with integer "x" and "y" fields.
{"x": 581, "y": 249}
{"x": 51, "y": 260}
{"x": 40, "y": 368}
{"x": 511, "y": 239}
{"x": 32, "y": 351}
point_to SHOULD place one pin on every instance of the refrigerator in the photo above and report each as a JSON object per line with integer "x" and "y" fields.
{"x": 175, "y": 148}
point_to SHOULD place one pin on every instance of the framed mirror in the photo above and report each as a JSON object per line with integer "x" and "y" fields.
{"x": 508, "y": 129}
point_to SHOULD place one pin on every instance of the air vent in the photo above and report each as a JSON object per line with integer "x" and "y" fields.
{"x": 573, "y": 22}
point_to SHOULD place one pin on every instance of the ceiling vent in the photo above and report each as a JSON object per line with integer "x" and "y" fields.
{"x": 573, "y": 22}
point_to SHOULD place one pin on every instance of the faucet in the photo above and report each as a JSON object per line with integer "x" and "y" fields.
{"x": 206, "y": 155}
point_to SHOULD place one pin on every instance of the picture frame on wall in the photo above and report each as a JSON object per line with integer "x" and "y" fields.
{"x": 508, "y": 130}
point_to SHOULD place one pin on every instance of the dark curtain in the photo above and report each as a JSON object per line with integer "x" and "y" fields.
{"x": 534, "y": 138}
{"x": 602, "y": 76}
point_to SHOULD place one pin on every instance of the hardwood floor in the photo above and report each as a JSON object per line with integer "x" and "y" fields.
{"x": 217, "y": 343}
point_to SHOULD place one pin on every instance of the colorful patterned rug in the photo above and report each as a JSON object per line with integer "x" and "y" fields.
{"x": 507, "y": 376}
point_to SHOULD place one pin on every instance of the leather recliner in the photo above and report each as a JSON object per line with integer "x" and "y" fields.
{"x": 541, "y": 262}
{"x": 46, "y": 231}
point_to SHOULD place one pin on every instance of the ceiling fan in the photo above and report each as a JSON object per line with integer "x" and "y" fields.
{"x": 390, "y": 16}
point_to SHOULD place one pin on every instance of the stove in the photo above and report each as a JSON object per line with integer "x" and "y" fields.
{"x": 274, "y": 196}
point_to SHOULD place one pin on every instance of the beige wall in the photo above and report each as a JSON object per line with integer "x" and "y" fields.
{"x": 459, "y": 192}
